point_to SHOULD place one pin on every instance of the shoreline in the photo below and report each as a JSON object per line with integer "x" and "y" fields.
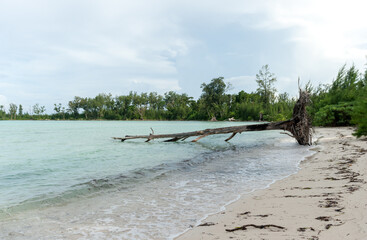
{"x": 222, "y": 209}
{"x": 239, "y": 197}
{"x": 322, "y": 200}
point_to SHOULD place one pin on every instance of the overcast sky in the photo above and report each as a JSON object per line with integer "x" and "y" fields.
{"x": 51, "y": 51}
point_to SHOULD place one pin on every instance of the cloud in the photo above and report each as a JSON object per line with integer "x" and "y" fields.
{"x": 333, "y": 30}
{"x": 158, "y": 85}
{"x": 51, "y": 51}
{"x": 3, "y": 101}
{"x": 84, "y": 47}
{"x": 243, "y": 82}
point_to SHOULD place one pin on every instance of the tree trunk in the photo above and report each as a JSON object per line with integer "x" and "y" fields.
{"x": 299, "y": 127}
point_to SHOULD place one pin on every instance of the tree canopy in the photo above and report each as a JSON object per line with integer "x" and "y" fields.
{"x": 265, "y": 81}
{"x": 214, "y": 97}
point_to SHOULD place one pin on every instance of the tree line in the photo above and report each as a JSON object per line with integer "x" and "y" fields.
{"x": 341, "y": 103}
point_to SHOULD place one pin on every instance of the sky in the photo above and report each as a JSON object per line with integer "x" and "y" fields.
{"x": 51, "y": 51}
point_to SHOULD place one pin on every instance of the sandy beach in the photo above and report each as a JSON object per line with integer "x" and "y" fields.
{"x": 326, "y": 199}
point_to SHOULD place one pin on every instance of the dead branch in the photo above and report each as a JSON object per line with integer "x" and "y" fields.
{"x": 233, "y": 134}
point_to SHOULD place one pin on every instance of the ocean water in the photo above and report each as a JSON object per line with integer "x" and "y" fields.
{"x": 71, "y": 180}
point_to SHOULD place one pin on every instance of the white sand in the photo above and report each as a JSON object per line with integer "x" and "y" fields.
{"x": 326, "y": 199}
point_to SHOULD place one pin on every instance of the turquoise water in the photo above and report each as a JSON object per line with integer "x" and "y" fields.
{"x": 79, "y": 183}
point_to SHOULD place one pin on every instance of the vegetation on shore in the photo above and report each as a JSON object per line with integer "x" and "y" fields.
{"x": 341, "y": 103}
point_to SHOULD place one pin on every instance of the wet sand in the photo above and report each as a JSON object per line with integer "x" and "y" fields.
{"x": 326, "y": 199}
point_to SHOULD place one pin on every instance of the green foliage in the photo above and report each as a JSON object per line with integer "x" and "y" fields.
{"x": 359, "y": 116}
{"x": 334, "y": 115}
{"x": 265, "y": 81}
{"x": 20, "y": 110}
{"x": 2, "y": 112}
{"x": 343, "y": 103}
{"x": 39, "y": 111}
{"x": 246, "y": 106}
{"x": 13, "y": 111}
{"x": 214, "y": 101}
{"x": 60, "y": 111}
{"x": 214, "y": 98}
{"x": 177, "y": 105}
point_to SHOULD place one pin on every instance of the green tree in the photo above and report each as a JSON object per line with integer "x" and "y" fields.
{"x": 87, "y": 105}
{"x": 74, "y": 106}
{"x": 334, "y": 104}
{"x": 60, "y": 111}
{"x": 178, "y": 105}
{"x": 265, "y": 81}
{"x": 20, "y": 110}
{"x": 140, "y": 103}
{"x": 38, "y": 110}
{"x": 123, "y": 106}
{"x": 282, "y": 108}
{"x": 57, "y": 108}
{"x": 213, "y": 97}
{"x": 359, "y": 115}
{"x": 156, "y": 106}
{"x": 13, "y": 111}
{"x": 246, "y": 106}
{"x": 2, "y": 112}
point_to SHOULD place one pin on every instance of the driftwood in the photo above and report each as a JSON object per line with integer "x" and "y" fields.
{"x": 298, "y": 127}
{"x": 244, "y": 227}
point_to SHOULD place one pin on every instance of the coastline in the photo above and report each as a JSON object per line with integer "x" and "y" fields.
{"x": 323, "y": 200}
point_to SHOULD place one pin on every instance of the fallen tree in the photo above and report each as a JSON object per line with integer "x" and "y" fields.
{"x": 298, "y": 127}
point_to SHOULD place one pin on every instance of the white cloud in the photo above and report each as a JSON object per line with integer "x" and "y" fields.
{"x": 3, "y": 101}
{"x": 328, "y": 29}
{"x": 87, "y": 47}
{"x": 84, "y": 47}
{"x": 156, "y": 84}
{"x": 239, "y": 83}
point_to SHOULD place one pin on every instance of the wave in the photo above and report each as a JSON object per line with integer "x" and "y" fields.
{"x": 216, "y": 159}
{"x": 124, "y": 180}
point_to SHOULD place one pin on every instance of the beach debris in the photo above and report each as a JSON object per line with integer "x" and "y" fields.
{"x": 332, "y": 178}
{"x": 206, "y": 224}
{"x": 298, "y": 127}
{"x": 291, "y": 196}
{"x": 324, "y": 218}
{"x": 301, "y": 188}
{"x": 267, "y": 226}
{"x": 329, "y": 204}
{"x": 262, "y": 215}
{"x": 259, "y": 215}
{"x": 352, "y": 188}
{"x": 335, "y": 225}
{"x": 245, "y": 213}
{"x": 328, "y": 226}
{"x": 339, "y": 210}
{"x": 303, "y": 229}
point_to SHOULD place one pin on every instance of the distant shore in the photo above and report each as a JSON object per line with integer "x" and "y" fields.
{"x": 324, "y": 200}
{"x": 135, "y": 120}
